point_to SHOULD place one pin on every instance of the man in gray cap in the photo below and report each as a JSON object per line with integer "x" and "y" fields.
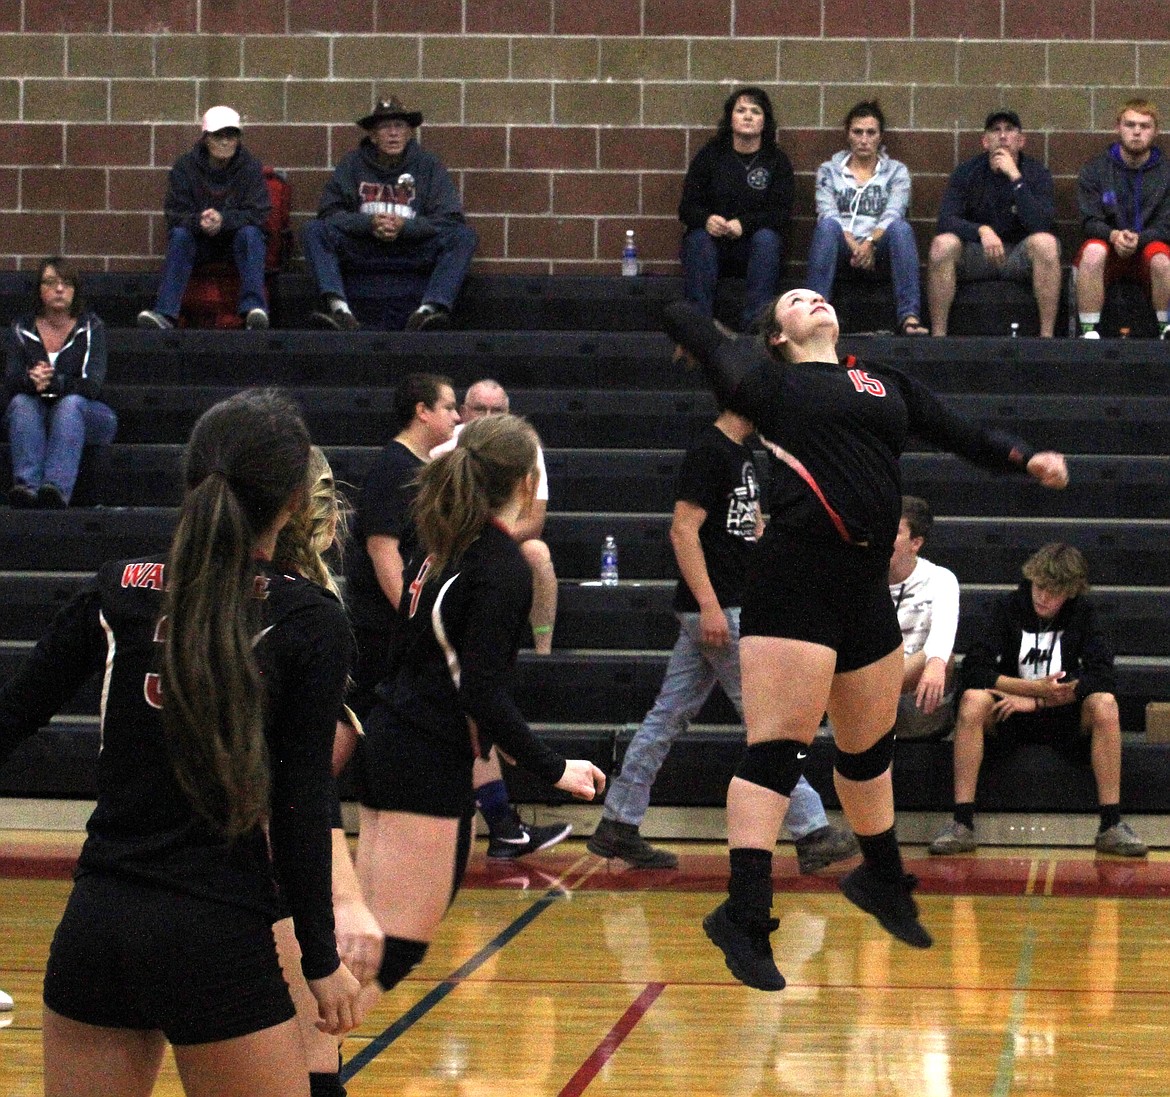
{"x": 390, "y": 208}
{"x": 217, "y": 207}
{"x": 995, "y": 221}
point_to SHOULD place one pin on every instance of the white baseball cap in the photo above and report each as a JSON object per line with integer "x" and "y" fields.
{"x": 220, "y": 118}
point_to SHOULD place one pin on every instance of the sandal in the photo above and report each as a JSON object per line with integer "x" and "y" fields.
{"x": 913, "y": 326}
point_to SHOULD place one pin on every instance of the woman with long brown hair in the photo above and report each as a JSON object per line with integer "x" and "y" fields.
{"x": 819, "y": 630}
{"x": 223, "y": 681}
{"x": 464, "y": 612}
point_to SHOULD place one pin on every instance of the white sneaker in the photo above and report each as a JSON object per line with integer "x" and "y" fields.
{"x": 5, "y": 1000}
{"x": 1092, "y": 333}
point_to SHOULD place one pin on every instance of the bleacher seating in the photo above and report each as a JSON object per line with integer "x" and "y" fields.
{"x": 583, "y": 358}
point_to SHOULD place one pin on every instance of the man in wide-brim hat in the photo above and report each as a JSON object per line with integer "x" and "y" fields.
{"x": 390, "y": 207}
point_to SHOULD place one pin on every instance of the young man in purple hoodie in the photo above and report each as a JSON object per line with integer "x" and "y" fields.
{"x": 1124, "y": 201}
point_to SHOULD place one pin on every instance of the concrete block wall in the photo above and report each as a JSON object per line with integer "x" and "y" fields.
{"x": 564, "y": 122}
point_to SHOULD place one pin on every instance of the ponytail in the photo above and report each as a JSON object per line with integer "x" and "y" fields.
{"x": 460, "y": 490}
{"x": 247, "y": 458}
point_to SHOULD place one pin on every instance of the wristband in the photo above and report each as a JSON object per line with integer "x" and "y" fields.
{"x": 541, "y": 630}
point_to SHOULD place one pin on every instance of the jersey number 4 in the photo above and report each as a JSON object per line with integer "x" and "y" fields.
{"x": 863, "y": 382}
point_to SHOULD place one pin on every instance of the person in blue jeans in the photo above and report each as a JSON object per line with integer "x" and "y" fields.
{"x": 863, "y": 201}
{"x": 736, "y": 205}
{"x": 54, "y": 373}
{"x": 390, "y": 208}
{"x": 217, "y": 205}
{"x": 717, "y": 523}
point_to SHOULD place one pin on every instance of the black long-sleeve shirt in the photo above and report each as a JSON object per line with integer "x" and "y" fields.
{"x": 143, "y": 825}
{"x": 834, "y": 432}
{"x": 756, "y": 190}
{"x": 460, "y": 632}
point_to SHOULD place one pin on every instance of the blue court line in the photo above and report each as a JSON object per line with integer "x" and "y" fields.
{"x": 1007, "y": 1056}
{"x": 421, "y": 1008}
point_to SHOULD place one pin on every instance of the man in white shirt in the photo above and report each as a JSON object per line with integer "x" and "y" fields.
{"x": 926, "y": 597}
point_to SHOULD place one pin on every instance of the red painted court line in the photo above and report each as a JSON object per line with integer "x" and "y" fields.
{"x": 613, "y": 1040}
{"x": 1100, "y": 877}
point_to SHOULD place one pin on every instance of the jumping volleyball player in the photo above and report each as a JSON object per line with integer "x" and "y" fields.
{"x": 167, "y": 935}
{"x": 818, "y": 626}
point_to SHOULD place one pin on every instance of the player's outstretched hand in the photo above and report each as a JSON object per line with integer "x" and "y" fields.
{"x": 582, "y": 779}
{"x": 1050, "y": 469}
{"x": 337, "y": 1002}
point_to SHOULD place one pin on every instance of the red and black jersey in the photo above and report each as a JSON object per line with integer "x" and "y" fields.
{"x": 143, "y": 825}
{"x": 835, "y": 432}
{"x": 457, "y": 644}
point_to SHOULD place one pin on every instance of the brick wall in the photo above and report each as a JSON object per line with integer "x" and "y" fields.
{"x": 564, "y": 122}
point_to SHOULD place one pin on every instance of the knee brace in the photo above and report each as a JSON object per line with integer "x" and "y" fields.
{"x": 399, "y": 958}
{"x": 869, "y": 763}
{"x": 776, "y": 764}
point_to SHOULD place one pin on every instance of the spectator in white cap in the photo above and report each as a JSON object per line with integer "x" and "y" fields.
{"x": 389, "y": 209}
{"x": 217, "y": 206}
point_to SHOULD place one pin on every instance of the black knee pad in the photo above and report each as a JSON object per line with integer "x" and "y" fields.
{"x": 325, "y": 1085}
{"x": 869, "y": 763}
{"x": 777, "y": 764}
{"x": 399, "y": 958}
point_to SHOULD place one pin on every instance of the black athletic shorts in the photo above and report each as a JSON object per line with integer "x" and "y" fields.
{"x": 131, "y": 954}
{"x": 1059, "y": 728}
{"x": 828, "y": 593}
{"x": 401, "y": 768}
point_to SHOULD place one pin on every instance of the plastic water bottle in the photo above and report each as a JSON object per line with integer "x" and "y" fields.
{"x": 1015, "y": 329}
{"x": 609, "y": 562}
{"x": 630, "y": 256}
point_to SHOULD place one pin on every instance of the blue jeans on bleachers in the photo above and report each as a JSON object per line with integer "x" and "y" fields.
{"x": 46, "y": 437}
{"x": 447, "y": 255}
{"x": 691, "y": 674}
{"x": 755, "y": 258}
{"x": 186, "y": 249}
{"x": 896, "y": 252}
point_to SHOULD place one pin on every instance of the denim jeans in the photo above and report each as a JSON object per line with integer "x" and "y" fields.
{"x": 47, "y": 436}
{"x": 896, "y": 252}
{"x": 691, "y": 674}
{"x": 185, "y": 249}
{"x": 757, "y": 258}
{"x": 447, "y": 255}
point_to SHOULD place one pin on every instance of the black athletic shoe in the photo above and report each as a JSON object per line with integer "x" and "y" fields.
{"x": 890, "y": 902}
{"x": 622, "y": 840}
{"x": 746, "y": 948}
{"x": 523, "y": 840}
{"x": 21, "y": 496}
{"x": 429, "y": 317}
{"x": 50, "y": 498}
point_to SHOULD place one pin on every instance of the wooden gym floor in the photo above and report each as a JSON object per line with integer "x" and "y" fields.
{"x": 562, "y": 975}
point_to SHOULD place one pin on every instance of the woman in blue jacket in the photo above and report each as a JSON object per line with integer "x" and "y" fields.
{"x": 54, "y": 375}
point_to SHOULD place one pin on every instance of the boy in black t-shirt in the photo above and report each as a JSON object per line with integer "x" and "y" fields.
{"x": 717, "y": 522}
